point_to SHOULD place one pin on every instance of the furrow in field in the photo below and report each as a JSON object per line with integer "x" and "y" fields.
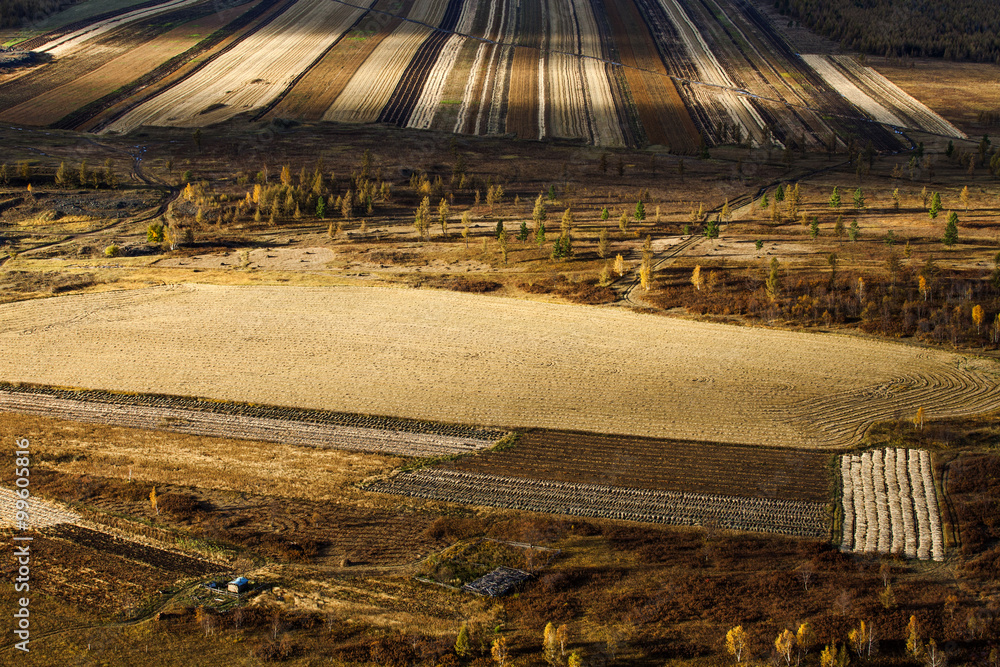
{"x": 714, "y": 95}
{"x": 659, "y": 106}
{"x": 825, "y": 68}
{"x": 208, "y": 423}
{"x": 491, "y": 24}
{"x": 78, "y": 16}
{"x": 567, "y": 95}
{"x": 427, "y": 105}
{"x": 96, "y": 116}
{"x": 250, "y": 74}
{"x": 322, "y": 84}
{"x": 371, "y": 87}
{"x": 99, "y": 52}
{"x": 52, "y": 105}
{"x": 914, "y": 113}
{"x": 601, "y": 105}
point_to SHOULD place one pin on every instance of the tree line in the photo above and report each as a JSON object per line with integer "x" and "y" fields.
{"x": 952, "y": 29}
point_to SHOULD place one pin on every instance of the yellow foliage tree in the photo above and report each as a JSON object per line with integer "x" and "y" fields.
{"x": 696, "y": 278}
{"x": 784, "y": 644}
{"x": 152, "y": 500}
{"x": 736, "y": 643}
{"x": 977, "y": 317}
{"x": 619, "y": 265}
{"x": 500, "y": 652}
{"x": 913, "y": 644}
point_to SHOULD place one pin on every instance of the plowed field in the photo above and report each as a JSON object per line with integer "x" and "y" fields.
{"x": 611, "y": 74}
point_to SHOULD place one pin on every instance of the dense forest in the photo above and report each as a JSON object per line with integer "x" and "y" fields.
{"x": 952, "y": 29}
{"x": 16, "y": 13}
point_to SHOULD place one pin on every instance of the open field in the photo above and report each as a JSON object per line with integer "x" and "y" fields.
{"x": 572, "y": 369}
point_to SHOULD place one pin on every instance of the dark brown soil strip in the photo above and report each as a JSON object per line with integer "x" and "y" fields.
{"x": 522, "y": 106}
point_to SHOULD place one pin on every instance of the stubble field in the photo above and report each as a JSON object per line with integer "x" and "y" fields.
{"x": 498, "y": 362}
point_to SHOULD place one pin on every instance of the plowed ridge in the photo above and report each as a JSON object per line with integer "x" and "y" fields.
{"x": 462, "y": 358}
{"x": 768, "y": 515}
{"x": 293, "y": 432}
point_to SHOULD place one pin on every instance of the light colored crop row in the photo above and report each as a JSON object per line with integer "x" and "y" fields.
{"x": 433, "y": 92}
{"x": 718, "y": 91}
{"x": 847, "y": 502}
{"x": 195, "y": 422}
{"x": 890, "y": 505}
{"x": 41, "y": 514}
{"x": 252, "y": 73}
{"x": 270, "y": 345}
{"x": 915, "y": 113}
{"x": 768, "y": 515}
{"x": 933, "y": 516}
{"x": 368, "y": 91}
{"x": 66, "y": 44}
{"x": 824, "y": 67}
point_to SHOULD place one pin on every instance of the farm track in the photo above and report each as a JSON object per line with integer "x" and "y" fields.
{"x": 315, "y": 92}
{"x": 662, "y": 465}
{"x": 268, "y": 345}
{"x": 785, "y": 517}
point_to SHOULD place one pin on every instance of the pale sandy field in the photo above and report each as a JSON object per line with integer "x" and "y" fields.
{"x": 486, "y": 360}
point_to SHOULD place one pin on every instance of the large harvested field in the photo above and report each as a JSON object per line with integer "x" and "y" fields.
{"x": 629, "y": 73}
{"x": 463, "y": 358}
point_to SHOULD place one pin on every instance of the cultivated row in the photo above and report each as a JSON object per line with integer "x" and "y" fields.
{"x": 382, "y": 441}
{"x": 890, "y": 504}
{"x": 767, "y": 515}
